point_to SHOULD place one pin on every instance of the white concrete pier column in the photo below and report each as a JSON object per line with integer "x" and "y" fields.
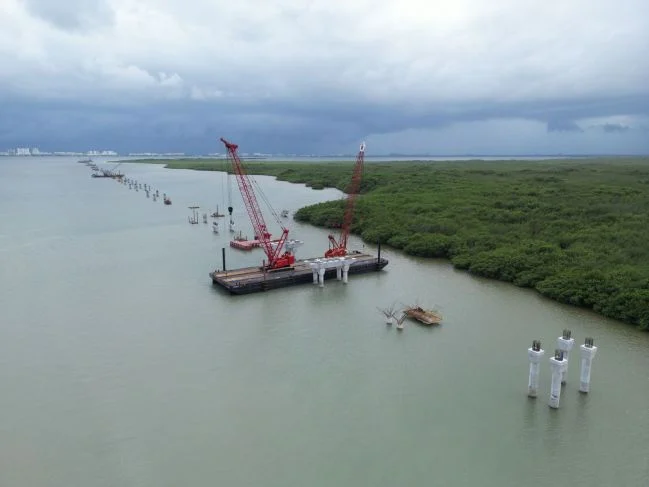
{"x": 315, "y": 276}
{"x": 565, "y": 344}
{"x": 558, "y": 365}
{"x": 535, "y": 354}
{"x": 345, "y": 272}
{"x": 588, "y": 351}
{"x": 321, "y": 273}
{"x": 339, "y": 272}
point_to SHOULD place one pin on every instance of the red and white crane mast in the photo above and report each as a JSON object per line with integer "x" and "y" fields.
{"x": 273, "y": 249}
{"x": 338, "y": 248}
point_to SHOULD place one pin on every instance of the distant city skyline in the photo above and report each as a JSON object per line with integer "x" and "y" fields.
{"x": 35, "y": 151}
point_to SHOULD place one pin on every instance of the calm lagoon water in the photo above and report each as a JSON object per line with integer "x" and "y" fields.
{"x": 121, "y": 364}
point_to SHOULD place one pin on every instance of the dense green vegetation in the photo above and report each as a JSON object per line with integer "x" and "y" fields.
{"x": 576, "y": 230}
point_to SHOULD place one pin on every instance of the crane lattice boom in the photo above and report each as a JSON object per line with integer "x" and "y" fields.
{"x": 338, "y": 248}
{"x": 272, "y": 249}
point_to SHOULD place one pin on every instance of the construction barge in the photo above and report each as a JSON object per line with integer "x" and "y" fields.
{"x": 254, "y": 279}
{"x": 280, "y": 268}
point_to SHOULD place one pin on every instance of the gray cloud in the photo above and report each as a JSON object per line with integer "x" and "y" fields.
{"x": 172, "y": 73}
{"x": 563, "y": 126}
{"x": 72, "y": 14}
{"x": 615, "y": 127}
{"x": 178, "y": 125}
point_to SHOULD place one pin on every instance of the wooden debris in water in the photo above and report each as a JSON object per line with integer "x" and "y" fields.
{"x": 425, "y": 316}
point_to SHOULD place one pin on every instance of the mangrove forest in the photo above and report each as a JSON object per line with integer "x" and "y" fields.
{"x": 575, "y": 230}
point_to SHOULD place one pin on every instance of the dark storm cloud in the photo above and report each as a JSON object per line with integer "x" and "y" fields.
{"x": 615, "y": 127}
{"x": 175, "y": 75}
{"x": 563, "y": 126}
{"x": 195, "y": 126}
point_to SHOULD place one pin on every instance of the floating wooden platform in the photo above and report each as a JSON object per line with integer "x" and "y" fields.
{"x": 245, "y": 244}
{"x": 425, "y": 316}
{"x": 253, "y": 279}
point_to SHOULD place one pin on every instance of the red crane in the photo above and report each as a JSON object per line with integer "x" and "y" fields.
{"x": 273, "y": 249}
{"x": 338, "y": 248}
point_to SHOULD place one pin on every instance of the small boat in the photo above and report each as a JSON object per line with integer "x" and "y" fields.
{"x": 427, "y": 317}
{"x": 284, "y": 213}
{"x": 167, "y": 201}
{"x": 216, "y": 214}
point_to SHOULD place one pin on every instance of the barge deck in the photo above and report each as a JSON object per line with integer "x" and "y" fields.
{"x": 254, "y": 279}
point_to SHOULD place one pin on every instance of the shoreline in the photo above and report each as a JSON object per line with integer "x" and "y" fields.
{"x": 573, "y": 230}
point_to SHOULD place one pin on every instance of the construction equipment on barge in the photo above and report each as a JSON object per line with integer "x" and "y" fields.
{"x": 281, "y": 268}
{"x": 257, "y": 279}
{"x": 277, "y": 256}
{"x": 107, "y": 173}
{"x": 338, "y": 248}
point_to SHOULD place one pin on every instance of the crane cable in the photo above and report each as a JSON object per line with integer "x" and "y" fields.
{"x": 229, "y": 182}
{"x": 263, "y": 197}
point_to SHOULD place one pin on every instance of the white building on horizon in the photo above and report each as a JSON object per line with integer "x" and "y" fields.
{"x": 35, "y": 151}
{"x": 23, "y": 151}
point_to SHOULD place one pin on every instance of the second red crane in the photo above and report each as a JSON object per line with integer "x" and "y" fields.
{"x": 338, "y": 248}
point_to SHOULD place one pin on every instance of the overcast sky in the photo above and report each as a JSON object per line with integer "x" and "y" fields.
{"x": 319, "y": 76}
